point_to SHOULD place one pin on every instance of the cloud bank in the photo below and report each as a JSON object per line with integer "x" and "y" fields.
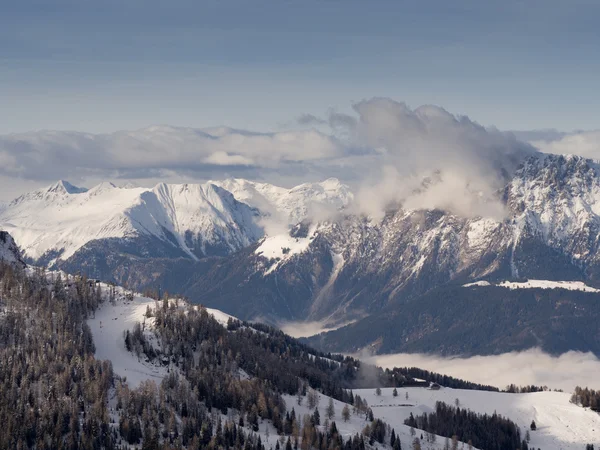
{"x": 583, "y": 143}
{"x": 388, "y": 152}
{"x": 533, "y": 366}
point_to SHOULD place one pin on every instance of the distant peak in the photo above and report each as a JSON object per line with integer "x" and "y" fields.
{"x": 64, "y": 187}
{"x": 104, "y": 186}
{"x": 331, "y": 183}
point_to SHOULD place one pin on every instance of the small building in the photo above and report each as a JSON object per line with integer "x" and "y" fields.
{"x": 435, "y": 387}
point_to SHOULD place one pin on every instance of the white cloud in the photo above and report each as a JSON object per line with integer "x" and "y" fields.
{"x": 583, "y": 143}
{"x": 384, "y": 150}
{"x": 464, "y": 162}
{"x": 533, "y": 366}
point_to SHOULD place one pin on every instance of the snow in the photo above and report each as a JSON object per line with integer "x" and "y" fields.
{"x": 108, "y": 327}
{"x": 394, "y": 416}
{"x": 560, "y": 424}
{"x": 290, "y": 206}
{"x": 478, "y": 284}
{"x": 9, "y": 251}
{"x": 113, "y": 319}
{"x": 547, "y": 284}
{"x": 538, "y": 284}
{"x": 63, "y": 218}
{"x": 220, "y": 316}
{"x": 283, "y": 246}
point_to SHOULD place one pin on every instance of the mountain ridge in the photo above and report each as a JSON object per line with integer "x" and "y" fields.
{"x": 279, "y": 257}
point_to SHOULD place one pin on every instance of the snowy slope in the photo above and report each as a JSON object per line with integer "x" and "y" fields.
{"x": 113, "y": 319}
{"x": 357, "y": 422}
{"x": 537, "y": 284}
{"x": 560, "y": 424}
{"x": 193, "y": 219}
{"x": 61, "y": 219}
{"x": 9, "y": 251}
{"x": 291, "y": 206}
{"x": 109, "y": 325}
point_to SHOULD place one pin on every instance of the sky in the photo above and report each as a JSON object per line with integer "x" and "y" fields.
{"x": 125, "y": 64}
{"x": 308, "y": 89}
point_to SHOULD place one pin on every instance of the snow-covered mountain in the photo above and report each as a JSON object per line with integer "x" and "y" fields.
{"x": 257, "y": 250}
{"x": 9, "y": 251}
{"x": 186, "y": 220}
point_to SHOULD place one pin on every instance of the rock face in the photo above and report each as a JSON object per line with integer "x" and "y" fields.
{"x": 257, "y": 251}
{"x": 9, "y": 251}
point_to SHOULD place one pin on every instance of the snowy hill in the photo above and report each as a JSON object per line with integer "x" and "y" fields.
{"x": 560, "y": 424}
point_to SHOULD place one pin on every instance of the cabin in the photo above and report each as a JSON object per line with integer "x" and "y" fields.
{"x": 434, "y": 387}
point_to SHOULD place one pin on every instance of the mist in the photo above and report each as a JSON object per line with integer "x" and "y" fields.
{"x": 306, "y": 329}
{"x": 533, "y": 366}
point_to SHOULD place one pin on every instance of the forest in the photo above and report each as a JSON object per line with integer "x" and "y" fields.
{"x": 479, "y": 430}
{"x": 56, "y": 395}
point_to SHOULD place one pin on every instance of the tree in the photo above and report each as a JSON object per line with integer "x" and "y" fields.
{"x": 412, "y": 431}
{"x": 330, "y": 411}
{"x": 316, "y": 418}
{"x": 527, "y": 436}
{"x": 313, "y": 399}
{"x": 378, "y": 391}
{"x": 416, "y": 444}
{"x": 457, "y": 402}
{"x": 299, "y": 397}
{"x": 533, "y": 426}
{"x": 346, "y": 413}
{"x": 455, "y": 442}
{"x": 406, "y": 397}
{"x": 395, "y": 392}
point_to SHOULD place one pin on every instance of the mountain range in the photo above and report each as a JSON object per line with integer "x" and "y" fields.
{"x": 260, "y": 251}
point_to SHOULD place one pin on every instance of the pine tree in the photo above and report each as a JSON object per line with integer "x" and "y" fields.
{"x": 330, "y": 411}
{"x": 378, "y": 391}
{"x": 346, "y": 413}
{"x": 533, "y": 426}
{"x": 395, "y": 392}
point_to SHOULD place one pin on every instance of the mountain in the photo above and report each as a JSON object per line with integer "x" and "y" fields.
{"x": 9, "y": 251}
{"x": 478, "y": 319}
{"x": 256, "y": 250}
{"x": 53, "y": 224}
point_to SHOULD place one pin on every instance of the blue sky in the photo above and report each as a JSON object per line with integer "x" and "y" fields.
{"x": 101, "y": 66}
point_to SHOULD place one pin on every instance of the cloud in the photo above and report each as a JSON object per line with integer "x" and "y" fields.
{"x": 533, "y": 366}
{"x": 430, "y": 158}
{"x": 385, "y": 150}
{"x": 51, "y": 155}
{"x": 582, "y": 143}
{"x": 310, "y": 120}
{"x": 306, "y": 329}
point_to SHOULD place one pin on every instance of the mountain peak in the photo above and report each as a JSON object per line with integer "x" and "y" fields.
{"x": 64, "y": 187}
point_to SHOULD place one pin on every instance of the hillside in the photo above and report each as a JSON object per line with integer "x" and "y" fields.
{"x": 480, "y": 319}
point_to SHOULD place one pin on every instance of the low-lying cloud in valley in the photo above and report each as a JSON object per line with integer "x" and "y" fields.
{"x": 533, "y": 366}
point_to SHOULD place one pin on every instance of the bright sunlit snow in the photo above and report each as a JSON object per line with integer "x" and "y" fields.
{"x": 538, "y": 284}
